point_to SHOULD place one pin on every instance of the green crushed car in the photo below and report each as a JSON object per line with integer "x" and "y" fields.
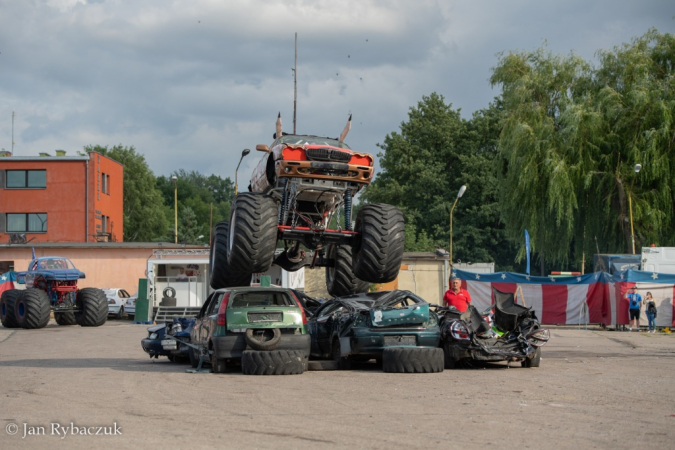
{"x": 263, "y": 327}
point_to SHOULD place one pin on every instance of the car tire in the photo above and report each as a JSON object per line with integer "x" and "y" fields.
{"x": 263, "y": 338}
{"x": 535, "y": 361}
{"x": 169, "y": 292}
{"x": 340, "y": 279}
{"x": 252, "y": 237}
{"x": 378, "y": 251}
{"x": 92, "y": 307}
{"x": 120, "y": 313}
{"x": 343, "y": 363}
{"x": 7, "y": 305}
{"x": 65, "y": 318}
{"x": 32, "y": 309}
{"x": 222, "y": 275}
{"x": 194, "y": 357}
{"x": 275, "y": 362}
{"x": 412, "y": 360}
{"x": 218, "y": 365}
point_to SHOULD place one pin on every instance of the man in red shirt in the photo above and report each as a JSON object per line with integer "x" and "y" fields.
{"x": 456, "y": 296}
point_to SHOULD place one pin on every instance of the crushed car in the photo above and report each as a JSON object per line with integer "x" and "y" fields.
{"x": 170, "y": 339}
{"x": 505, "y": 332}
{"x": 395, "y": 327}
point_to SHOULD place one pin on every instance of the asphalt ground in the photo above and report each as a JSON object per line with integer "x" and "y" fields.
{"x": 594, "y": 389}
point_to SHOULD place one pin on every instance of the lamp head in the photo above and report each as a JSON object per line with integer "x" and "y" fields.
{"x": 245, "y": 152}
{"x": 637, "y": 168}
{"x": 174, "y": 178}
{"x": 461, "y": 191}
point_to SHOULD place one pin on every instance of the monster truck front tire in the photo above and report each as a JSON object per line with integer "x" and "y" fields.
{"x": 275, "y": 362}
{"x": 65, "y": 318}
{"x": 377, "y": 254}
{"x": 7, "y": 305}
{"x": 222, "y": 275}
{"x": 412, "y": 360}
{"x": 92, "y": 307}
{"x": 32, "y": 309}
{"x": 252, "y": 236}
{"x": 340, "y": 279}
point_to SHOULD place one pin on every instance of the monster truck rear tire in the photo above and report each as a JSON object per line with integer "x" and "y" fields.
{"x": 275, "y": 362}
{"x": 381, "y": 236}
{"x": 92, "y": 306}
{"x": 222, "y": 275}
{"x": 252, "y": 238}
{"x": 65, "y": 318}
{"x": 412, "y": 360}
{"x": 7, "y": 305}
{"x": 32, "y": 309}
{"x": 340, "y": 279}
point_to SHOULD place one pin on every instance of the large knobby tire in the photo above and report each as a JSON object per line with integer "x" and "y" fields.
{"x": 263, "y": 338}
{"x": 412, "y": 360}
{"x": 340, "y": 278}
{"x": 535, "y": 361}
{"x": 222, "y": 276}
{"x": 7, "y": 305}
{"x": 252, "y": 238}
{"x": 275, "y": 362}
{"x": 65, "y": 318}
{"x": 32, "y": 309}
{"x": 92, "y": 306}
{"x": 378, "y": 252}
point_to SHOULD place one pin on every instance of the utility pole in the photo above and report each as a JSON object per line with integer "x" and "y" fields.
{"x": 295, "y": 83}
{"x": 12, "y": 133}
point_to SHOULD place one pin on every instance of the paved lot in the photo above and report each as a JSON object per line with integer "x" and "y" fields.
{"x": 595, "y": 389}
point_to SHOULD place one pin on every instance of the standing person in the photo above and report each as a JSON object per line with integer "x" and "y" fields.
{"x": 456, "y": 296}
{"x": 651, "y": 312}
{"x": 634, "y": 303}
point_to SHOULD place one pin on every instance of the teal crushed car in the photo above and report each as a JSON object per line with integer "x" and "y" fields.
{"x": 394, "y": 327}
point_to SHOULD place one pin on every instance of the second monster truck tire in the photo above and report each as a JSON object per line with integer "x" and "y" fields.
{"x": 252, "y": 236}
{"x": 7, "y": 304}
{"x": 92, "y": 306}
{"x": 340, "y": 279}
{"x": 32, "y": 309}
{"x": 275, "y": 362}
{"x": 379, "y": 250}
{"x": 65, "y": 318}
{"x": 222, "y": 275}
{"x": 412, "y": 360}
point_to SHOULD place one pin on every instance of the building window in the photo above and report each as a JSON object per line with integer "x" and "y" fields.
{"x": 27, "y": 223}
{"x": 105, "y": 183}
{"x": 23, "y": 179}
{"x": 104, "y": 224}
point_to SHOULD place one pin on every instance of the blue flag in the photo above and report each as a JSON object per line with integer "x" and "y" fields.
{"x": 527, "y": 250}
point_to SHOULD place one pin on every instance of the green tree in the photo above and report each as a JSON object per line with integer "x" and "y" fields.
{"x": 144, "y": 218}
{"x": 189, "y": 229}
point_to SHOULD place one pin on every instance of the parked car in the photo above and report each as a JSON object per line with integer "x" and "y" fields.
{"x": 130, "y": 305}
{"x": 511, "y": 332}
{"x": 116, "y": 301}
{"x": 394, "y": 327}
{"x": 263, "y": 327}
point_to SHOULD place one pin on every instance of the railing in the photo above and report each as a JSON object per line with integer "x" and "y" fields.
{"x": 168, "y": 313}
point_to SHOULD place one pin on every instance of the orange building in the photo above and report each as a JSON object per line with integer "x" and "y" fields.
{"x": 61, "y": 198}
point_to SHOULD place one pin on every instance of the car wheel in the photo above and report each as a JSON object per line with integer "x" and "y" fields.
{"x": 32, "y": 309}
{"x": 218, "y": 365}
{"x": 120, "y": 313}
{"x": 342, "y": 362}
{"x": 194, "y": 357}
{"x": 222, "y": 275}
{"x": 340, "y": 278}
{"x": 92, "y": 306}
{"x": 412, "y": 360}
{"x": 7, "y": 305}
{"x": 535, "y": 361}
{"x": 263, "y": 338}
{"x": 275, "y": 362}
{"x": 381, "y": 236}
{"x": 252, "y": 236}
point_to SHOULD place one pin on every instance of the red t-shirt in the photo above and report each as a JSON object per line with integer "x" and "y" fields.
{"x": 460, "y": 300}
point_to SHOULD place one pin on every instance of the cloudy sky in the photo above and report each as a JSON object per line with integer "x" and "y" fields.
{"x": 190, "y": 83}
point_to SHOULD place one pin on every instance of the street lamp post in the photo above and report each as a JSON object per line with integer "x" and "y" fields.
{"x": 174, "y": 178}
{"x": 459, "y": 195}
{"x": 637, "y": 168}
{"x": 243, "y": 153}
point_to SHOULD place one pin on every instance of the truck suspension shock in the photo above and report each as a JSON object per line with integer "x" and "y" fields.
{"x": 348, "y": 210}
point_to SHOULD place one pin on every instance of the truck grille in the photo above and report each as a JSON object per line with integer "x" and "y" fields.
{"x": 256, "y": 317}
{"x": 327, "y": 154}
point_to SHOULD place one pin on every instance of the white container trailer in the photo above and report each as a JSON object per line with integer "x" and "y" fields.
{"x": 658, "y": 259}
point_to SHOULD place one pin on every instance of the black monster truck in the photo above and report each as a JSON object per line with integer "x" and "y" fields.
{"x": 301, "y": 194}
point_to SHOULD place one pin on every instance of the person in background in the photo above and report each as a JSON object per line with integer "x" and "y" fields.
{"x": 634, "y": 303}
{"x": 651, "y": 312}
{"x": 182, "y": 276}
{"x": 456, "y": 296}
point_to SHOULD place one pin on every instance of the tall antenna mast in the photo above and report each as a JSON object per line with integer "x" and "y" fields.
{"x": 295, "y": 83}
{"x": 12, "y": 133}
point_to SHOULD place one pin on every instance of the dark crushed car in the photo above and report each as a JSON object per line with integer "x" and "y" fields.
{"x": 394, "y": 327}
{"x": 511, "y": 333}
{"x": 157, "y": 343}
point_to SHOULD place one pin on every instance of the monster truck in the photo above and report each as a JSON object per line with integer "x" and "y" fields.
{"x": 51, "y": 284}
{"x": 301, "y": 194}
